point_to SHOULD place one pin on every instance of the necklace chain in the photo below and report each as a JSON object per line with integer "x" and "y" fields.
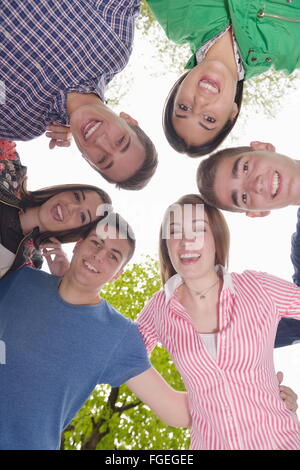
{"x": 203, "y": 293}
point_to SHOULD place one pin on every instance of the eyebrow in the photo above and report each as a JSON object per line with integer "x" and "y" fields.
{"x": 234, "y": 198}
{"x": 234, "y": 172}
{"x": 235, "y": 167}
{"x": 200, "y": 123}
{"x": 89, "y": 212}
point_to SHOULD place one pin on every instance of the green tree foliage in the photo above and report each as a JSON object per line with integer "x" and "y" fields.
{"x": 113, "y": 418}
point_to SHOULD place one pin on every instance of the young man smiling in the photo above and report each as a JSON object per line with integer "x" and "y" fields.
{"x": 252, "y": 179}
{"x": 255, "y": 180}
{"x": 57, "y": 59}
{"x": 62, "y": 340}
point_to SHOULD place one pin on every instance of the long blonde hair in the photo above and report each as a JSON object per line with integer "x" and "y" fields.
{"x": 219, "y": 230}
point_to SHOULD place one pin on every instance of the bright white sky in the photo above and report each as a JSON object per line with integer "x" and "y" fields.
{"x": 260, "y": 244}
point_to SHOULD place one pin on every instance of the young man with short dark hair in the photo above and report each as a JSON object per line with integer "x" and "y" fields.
{"x": 57, "y": 58}
{"x": 62, "y": 339}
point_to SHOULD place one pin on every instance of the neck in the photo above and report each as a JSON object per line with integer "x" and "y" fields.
{"x": 223, "y": 51}
{"x": 75, "y": 100}
{"x": 208, "y": 283}
{"x": 29, "y": 219}
{"x": 76, "y": 294}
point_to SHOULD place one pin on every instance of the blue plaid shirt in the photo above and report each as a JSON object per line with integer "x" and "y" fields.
{"x": 52, "y": 47}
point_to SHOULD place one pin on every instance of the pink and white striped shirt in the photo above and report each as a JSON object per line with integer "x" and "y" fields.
{"x": 234, "y": 400}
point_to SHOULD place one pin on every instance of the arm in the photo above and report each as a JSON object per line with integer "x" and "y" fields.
{"x": 295, "y": 254}
{"x": 168, "y": 404}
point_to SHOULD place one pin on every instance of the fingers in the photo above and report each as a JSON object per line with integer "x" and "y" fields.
{"x": 59, "y": 135}
{"x": 279, "y": 376}
{"x": 289, "y": 397}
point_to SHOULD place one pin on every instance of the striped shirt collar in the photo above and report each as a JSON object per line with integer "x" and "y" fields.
{"x": 175, "y": 281}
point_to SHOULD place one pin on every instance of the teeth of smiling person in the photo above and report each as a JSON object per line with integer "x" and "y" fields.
{"x": 59, "y": 213}
{"x": 90, "y": 267}
{"x": 275, "y": 184}
{"x": 208, "y": 86}
{"x": 91, "y": 128}
{"x": 189, "y": 255}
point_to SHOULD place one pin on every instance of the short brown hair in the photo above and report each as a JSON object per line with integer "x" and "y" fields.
{"x": 219, "y": 230}
{"x": 142, "y": 177}
{"x": 206, "y": 175}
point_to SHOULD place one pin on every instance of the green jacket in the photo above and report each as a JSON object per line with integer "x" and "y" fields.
{"x": 267, "y": 31}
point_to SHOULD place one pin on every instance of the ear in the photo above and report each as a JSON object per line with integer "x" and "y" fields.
{"x": 117, "y": 275}
{"x": 234, "y": 112}
{"x": 128, "y": 118}
{"x": 257, "y": 214}
{"x": 77, "y": 245}
{"x": 262, "y": 146}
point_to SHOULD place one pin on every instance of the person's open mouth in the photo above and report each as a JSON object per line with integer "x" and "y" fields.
{"x": 210, "y": 85}
{"x": 189, "y": 258}
{"x": 57, "y": 213}
{"x": 275, "y": 184}
{"x": 90, "y": 128}
{"x": 90, "y": 267}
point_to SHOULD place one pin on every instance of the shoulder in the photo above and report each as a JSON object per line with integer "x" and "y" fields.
{"x": 34, "y": 278}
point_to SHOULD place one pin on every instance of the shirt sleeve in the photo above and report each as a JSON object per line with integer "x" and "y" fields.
{"x": 295, "y": 254}
{"x": 284, "y": 295}
{"x": 128, "y": 360}
{"x": 288, "y": 332}
{"x": 12, "y": 172}
{"x": 146, "y": 325}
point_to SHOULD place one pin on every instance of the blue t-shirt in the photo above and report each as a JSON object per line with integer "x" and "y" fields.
{"x": 55, "y": 355}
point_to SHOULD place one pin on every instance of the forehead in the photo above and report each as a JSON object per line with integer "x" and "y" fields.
{"x": 178, "y": 214}
{"x": 111, "y": 238}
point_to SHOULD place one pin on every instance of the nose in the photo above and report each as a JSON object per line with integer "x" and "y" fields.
{"x": 201, "y": 101}
{"x": 104, "y": 142}
{"x": 255, "y": 184}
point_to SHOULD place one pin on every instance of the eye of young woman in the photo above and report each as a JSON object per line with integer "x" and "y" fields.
{"x": 77, "y": 196}
{"x": 82, "y": 217}
{"x": 245, "y": 167}
{"x": 183, "y": 107}
{"x": 209, "y": 118}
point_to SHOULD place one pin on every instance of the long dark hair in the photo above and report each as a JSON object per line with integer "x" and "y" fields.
{"x": 39, "y": 197}
{"x": 177, "y": 142}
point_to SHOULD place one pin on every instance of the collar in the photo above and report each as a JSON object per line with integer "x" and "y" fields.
{"x": 175, "y": 281}
{"x": 202, "y": 51}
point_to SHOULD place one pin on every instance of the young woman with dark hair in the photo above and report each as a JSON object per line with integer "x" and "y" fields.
{"x": 231, "y": 41}
{"x": 30, "y": 218}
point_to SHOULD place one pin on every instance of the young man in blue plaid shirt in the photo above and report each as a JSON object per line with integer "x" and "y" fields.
{"x": 57, "y": 56}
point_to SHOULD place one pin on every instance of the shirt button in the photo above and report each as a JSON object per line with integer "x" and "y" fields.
{"x": 38, "y": 66}
{"x": 268, "y": 59}
{"x": 254, "y": 59}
